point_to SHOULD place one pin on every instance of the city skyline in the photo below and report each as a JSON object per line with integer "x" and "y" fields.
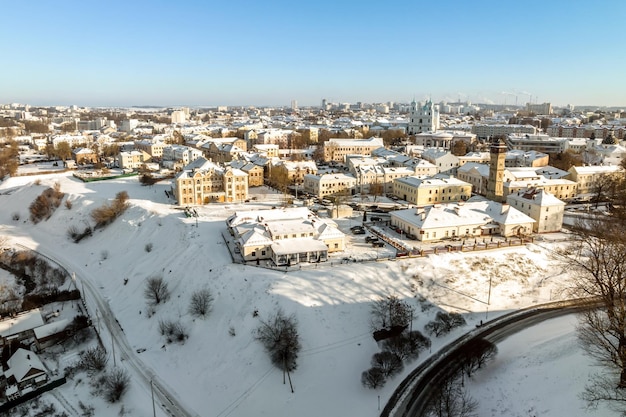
{"x": 249, "y": 53}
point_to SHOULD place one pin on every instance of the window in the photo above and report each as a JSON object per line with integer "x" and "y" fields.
{"x": 262, "y": 253}
{"x": 336, "y": 245}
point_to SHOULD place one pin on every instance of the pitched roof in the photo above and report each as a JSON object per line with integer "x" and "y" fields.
{"x": 24, "y": 364}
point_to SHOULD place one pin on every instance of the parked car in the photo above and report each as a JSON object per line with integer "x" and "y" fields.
{"x": 371, "y": 239}
{"x": 358, "y": 231}
{"x": 376, "y": 219}
{"x": 378, "y": 244}
{"x": 410, "y": 236}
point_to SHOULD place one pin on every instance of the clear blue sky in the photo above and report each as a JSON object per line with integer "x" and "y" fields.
{"x": 136, "y": 52}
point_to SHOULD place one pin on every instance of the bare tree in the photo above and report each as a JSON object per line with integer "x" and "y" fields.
{"x": 390, "y": 312}
{"x": 156, "y": 290}
{"x": 444, "y": 322}
{"x": 597, "y": 261}
{"x": 279, "y": 336}
{"x": 476, "y": 353}
{"x": 201, "y": 302}
{"x": 373, "y": 378}
{"x": 407, "y": 345}
{"x": 388, "y": 362}
{"x": 451, "y": 400}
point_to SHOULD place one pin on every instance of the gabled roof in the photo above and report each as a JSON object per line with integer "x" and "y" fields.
{"x": 20, "y": 323}
{"x": 23, "y": 365}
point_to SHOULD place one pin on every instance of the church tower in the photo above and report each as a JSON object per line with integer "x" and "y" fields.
{"x": 495, "y": 184}
{"x": 423, "y": 117}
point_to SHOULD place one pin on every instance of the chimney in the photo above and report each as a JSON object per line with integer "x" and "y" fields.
{"x": 505, "y": 208}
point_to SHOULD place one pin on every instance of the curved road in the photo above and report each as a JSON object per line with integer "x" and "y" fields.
{"x": 166, "y": 398}
{"x": 414, "y": 393}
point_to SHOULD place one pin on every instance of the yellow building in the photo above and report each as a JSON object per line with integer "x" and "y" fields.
{"x": 203, "y": 182}
{"x": 337, "y": 149}
{"x": 428, "y": 191}
{"x": 587, "y": 177}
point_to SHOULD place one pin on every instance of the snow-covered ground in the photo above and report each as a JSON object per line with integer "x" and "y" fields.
{"x": 218, "y": 374}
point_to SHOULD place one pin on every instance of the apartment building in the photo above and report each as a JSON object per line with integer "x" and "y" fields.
{"x": 537, "y": 142}
{"x": 204, "y": 182}
{"x": 486, "y": 131}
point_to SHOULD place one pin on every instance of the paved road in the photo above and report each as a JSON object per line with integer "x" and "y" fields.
{"x": 414, "y": 393}
{"x": 94, "y": 301}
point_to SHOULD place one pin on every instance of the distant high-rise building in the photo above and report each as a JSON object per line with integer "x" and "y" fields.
{"x": 423, "y": 117}
{"x": 544, "y": 108}
{"x": 294, "y": 105}
{"x": 178, "y": 116}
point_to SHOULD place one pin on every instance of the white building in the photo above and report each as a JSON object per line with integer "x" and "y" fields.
{"x": 476, "y": 217}
{"x": 423, "y": 117}
{"x": 541, "y": 206}
{"x": 178, "y": 117}
{"x": 329, "y": 184}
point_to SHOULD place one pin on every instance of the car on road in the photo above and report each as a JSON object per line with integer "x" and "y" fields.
{"x": 376, "y": 219}
{"x": 358, "y": 231}
{"x": 370, "y": 239}
{"x": 378, "y": 244}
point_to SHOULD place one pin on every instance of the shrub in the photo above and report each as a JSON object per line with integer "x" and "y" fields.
{"x": 373, "y": 378}
{"x": 174, "y": 331}
{"x": 115, "y": 384}
{"x": 107, "y": 213}
{"x": 201, "y": 302}
{"x": 93, "y": 359}
{"x": 444, "y": 323}
{"x": 104, "y": 255}
{"x": 75, "y": 235}
{"x": 148, "y": 247}
{"x": 68, "y": 204}
{"x": 16, "y": 216}
{"x": 45, "y": 204}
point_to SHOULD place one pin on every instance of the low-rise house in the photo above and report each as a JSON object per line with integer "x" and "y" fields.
{"x": 329, "y": 184}
{"x": 444, "y": 160}
{"x": 132, "y": 159}
{"x": 285, "y": 236}
{"x": 541, "y": 206}
{"x": 50, "y": 333}
{"x": 25, "y": 373}
{"x": 476, "y": 217}
{"x": 84, "y": 156}
{"x": 20, "y": 327}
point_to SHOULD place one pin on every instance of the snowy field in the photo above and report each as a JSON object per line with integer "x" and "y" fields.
{"x": 218, "y": 374}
